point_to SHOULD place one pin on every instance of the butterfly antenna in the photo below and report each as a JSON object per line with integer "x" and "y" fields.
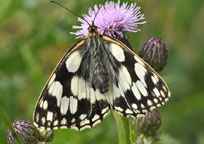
{"x": 96, "y": 14}
{"x": 69, "y": 11}
{"x": 98, "y": 11}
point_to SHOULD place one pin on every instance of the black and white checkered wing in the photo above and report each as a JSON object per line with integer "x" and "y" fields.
{"x": 96, "y": 73}
{"x": 68, "y": 100}
{"x": 136, "y": 88}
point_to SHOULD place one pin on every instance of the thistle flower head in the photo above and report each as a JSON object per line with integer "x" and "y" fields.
{"x": 28, "y": 133}
{"x": 112, "y": 19}
{"x": 155, "y": 53}
{"x": 25, "y": 130}
{"x": 150, "y": 124}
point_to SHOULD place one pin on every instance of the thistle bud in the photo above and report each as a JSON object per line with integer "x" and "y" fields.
{"x": 155, "y": 53}
{"x": 25, "y": 130}
{"x": 150, "y": 124}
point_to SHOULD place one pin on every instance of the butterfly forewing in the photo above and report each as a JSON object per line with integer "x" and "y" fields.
{"x": 97, "y": 73}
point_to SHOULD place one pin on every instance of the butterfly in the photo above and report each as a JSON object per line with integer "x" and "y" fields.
{"x": 97, "y": 74}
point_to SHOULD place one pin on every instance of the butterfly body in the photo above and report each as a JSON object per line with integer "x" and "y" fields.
{"x": 96, "y": 74}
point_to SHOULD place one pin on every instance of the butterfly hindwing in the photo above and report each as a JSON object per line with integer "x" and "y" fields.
{"x": 138, "y": 88}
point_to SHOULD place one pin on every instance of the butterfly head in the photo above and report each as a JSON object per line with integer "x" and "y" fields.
{"x": 93, "y": 30}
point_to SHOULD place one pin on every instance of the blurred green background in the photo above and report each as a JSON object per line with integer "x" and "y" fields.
{"x": 34, "y": 34}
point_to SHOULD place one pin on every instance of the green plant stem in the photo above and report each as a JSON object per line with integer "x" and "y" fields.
{"x": 8, "y": 124}
{"x": 123, "y": 129}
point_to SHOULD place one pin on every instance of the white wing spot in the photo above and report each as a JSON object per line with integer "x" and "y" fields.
{"x": 41, "y": 128}
{"x": 37, "y": 117}
{"x": 85, "y": 127}
{"x": 156, "y": 92}
{"x": 105, "y": 114}
{"x": 136, "y": 92}
{"x": 104, "y": 110}
{"x": 35, "y": 124}
{"x": 73, "y": 104}
{"x": 96, "y": 117}
{"x": 74, "y": 85}
{"x": 156, "y": 77}
{"x": 144, "y": 111}
{"x": 152, "y": 108}
{"x": 154, "y": 80}
{"x": 139, "y": 60}
{"x": 141, "y": 88}
{"x": 73, "y": 62}
{"x": 63, "y": 121}
{"x": 81, "y": 89}
{"x": 49, "y": 116}
{"x": 73, "y": 120}
{"x": 158, "y": 105}
{"x": 56, "y": 90}
{"x": 63, "y": 127}
{"x": 55, "y": 123}
{"x": 141, "y": 67}
{"x": 48, "y": 129}
{"x": 142, "y": 106}
{"x": 45, "y": 105}
{"x": 82, "y": 116}
{"x": 128, "y": 111}
{"x": 51, "y": 80}
{"x": 140, "y": 115}
{"x": 43, "y": 120}
{"x": 124, "y": 78}
{"x": 164, "y": 88}
{"x": 55, "y": 128}
{"x": 49, "y": 123}
{"x": 140, "y": 72}
{"x": 96, "y": 122}
{"x": 149, "y": 102}
{"x": 41, "y": 103}
{"x": 137, "y": 111}
{"x": 84, "y": 122}
{"x": 162, "y": 93}
{"x": 169, "y": 94}
{"x": 117, "y": 52}
{"x": 64, "y": 105}
{"x": 134, "y": 106}
{"x": 155, "y": 100}
{"x": 74, "y": 127}
{"x": 118, "y": 109}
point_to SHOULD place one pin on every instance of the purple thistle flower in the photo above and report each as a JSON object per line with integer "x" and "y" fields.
{"x": 112, "y": 19}
{"x": 25, "y": 130}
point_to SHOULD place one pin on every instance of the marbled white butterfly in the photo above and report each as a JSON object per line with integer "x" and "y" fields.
{"x": 97, "y": 74}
